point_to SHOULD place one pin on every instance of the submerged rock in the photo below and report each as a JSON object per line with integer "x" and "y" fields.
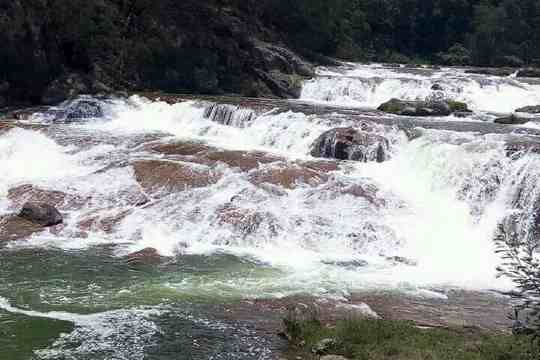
{"x": 423, "y": 108}
{"x": 246, "y": 221}
{"x": 512, "y": 120}
{"x": 147, "y": 256}
{"x": 41, "y": 213}
{"x": 287, "y": 177}
{"x": 351, "y": 144}
{"x": 491, "y": 71}
{"x": 530, "y": 109}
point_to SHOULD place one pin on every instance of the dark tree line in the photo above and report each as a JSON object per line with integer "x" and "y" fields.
{"x": 477, "y": 32}
{"x": 208, "y": 45}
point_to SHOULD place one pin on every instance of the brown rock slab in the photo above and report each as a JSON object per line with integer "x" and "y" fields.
{"x": 155, "y": 176}
{"x": 13, "y": 227}
{"x": 30, "y": 193}
{"x": 288, "y": 177}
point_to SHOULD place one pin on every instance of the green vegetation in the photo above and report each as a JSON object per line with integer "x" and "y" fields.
{"x": 371, "y": 339}
{"x": 207, "y": 46}
{"x": 522, "y": 265}
{"x": 455, "y": 32}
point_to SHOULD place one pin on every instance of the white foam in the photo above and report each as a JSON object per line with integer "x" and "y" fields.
{"x": 123, "y": 334}
{"x": 370, "y": 86}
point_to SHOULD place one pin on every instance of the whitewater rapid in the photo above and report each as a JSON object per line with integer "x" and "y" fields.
{"x": 442, "y": 197}
{"x": 371, "y": 85}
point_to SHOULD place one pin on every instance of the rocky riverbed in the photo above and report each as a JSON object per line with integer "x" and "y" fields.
{"x": 160, "y": 225}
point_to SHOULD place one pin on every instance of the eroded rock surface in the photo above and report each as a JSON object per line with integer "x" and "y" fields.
{"x": 156, "y": 176}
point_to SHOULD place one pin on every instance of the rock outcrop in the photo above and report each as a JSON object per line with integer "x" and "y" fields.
{"x": 423, "y": 108}
{"x": 351, "y": 144}
{"x": 57, "y": 51}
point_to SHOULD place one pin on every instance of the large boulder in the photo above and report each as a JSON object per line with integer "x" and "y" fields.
{"x": 41, "y": 213}
{"x": 530, "y": 109}
{"x": 351, "y": 144}
{"x": 423, "y": 108}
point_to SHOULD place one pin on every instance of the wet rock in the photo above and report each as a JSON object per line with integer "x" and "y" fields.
{"x": 324, "y": 346}
{"x": 246, "y": 221}
{"x": 351, "y": 144}
{"x": 530, "y": 109}
{"x": 287, "y": 177}
{"x": 33, "y": 194}
{"x": 321, "y": 166}
{"x": 423, "y": 108}
{"x": 181, "y": 148}
{"x": 241, "y": 159}
{"x": 106, "y": 224}
{"x": 16, "y": 228}
{"x": 65, "y": 87}
{"x": 83, "y": 110}
{"x": 41, "y": 214}
{"x": 229, "y": 114}
{"x": 512, "y": 120}
{"x": 156, "y": 176}
{"x": 491, "y": 71}
{"x": 531, "y": 73}
{"x": 437, "y": 87}
{"x": 204, "y": 154}
{"x": 147, "y": 256}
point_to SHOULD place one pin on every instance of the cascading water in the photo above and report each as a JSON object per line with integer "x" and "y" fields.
{"x": 242, "y": 209}
{"x": 370, "y": 86}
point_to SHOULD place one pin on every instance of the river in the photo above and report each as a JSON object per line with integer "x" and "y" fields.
{"x": 227, "y": 191}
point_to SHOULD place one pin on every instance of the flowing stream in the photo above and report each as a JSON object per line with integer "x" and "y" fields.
{"x": 254, "y": 215}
